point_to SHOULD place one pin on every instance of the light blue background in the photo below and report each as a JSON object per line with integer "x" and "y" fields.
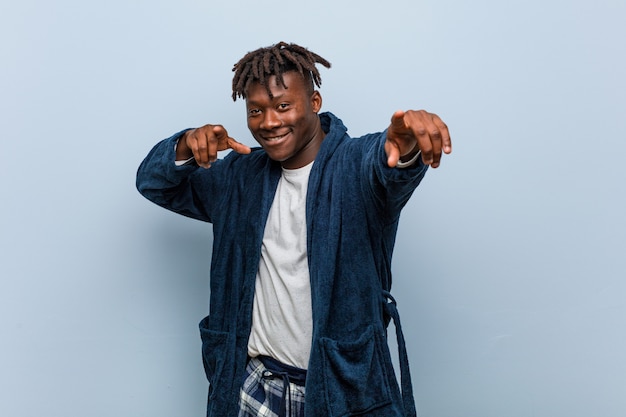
{"x": 510, "y": 264}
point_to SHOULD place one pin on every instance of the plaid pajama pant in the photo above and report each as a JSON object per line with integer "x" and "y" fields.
{"x": 269, "y": 390}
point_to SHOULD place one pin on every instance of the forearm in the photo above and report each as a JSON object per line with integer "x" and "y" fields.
{"x": 164, "y": 183}
{"x": 392, "y": 187}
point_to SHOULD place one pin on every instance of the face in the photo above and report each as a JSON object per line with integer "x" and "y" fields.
{"x": 286, "y": 125}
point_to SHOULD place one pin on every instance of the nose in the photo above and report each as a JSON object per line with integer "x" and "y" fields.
{"x": 270, "y": 120}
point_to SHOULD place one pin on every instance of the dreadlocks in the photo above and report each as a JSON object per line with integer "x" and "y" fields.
{"x": 275, "y": 60}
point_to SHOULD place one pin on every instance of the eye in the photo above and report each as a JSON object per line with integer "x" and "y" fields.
{"x": 252, "y": 112}
{"x": 283, "y": 106}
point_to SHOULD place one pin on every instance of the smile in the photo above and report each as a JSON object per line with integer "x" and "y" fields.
{"x": 275, "y": 138}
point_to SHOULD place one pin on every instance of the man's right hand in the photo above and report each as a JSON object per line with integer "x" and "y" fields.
{"x": 204, "y": 142}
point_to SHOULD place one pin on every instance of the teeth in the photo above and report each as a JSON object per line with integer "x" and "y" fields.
{"x": 275, "y": 138}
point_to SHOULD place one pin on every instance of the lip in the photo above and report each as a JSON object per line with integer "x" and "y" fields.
{"x": 275, "y": 139}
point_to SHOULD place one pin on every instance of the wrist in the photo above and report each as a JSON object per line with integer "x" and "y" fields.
{"x": 181, "y": 149}
{"x": 408, "y": 159}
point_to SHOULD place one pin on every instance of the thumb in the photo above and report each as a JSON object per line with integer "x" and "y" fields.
{"x": 219, "y": 131}
{"x": 391, "y": 146}
{"x": 393, "y": 154}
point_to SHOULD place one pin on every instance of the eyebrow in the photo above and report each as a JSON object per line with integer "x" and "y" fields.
{"x": 274, "y": 97}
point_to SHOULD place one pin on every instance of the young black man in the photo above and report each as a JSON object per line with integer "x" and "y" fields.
{"x": 304, "y": 228}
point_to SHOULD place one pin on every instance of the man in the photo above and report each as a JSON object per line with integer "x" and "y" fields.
{"x": 304, "y": 229}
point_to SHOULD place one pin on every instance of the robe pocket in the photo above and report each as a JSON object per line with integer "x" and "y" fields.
{"x": 213, "y": 352}
{"x": 354, "y": 375}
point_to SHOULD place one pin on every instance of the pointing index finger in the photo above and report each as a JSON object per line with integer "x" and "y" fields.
{"x": 397, "y": 120}
{"x": 238, "y": 147}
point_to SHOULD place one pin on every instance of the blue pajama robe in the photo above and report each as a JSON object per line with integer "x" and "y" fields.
{"x": 353, "y": 207}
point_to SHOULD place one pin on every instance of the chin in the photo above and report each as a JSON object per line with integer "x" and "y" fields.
{"x": 276, "y": 156}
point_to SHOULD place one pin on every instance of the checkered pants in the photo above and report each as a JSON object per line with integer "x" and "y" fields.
{"x": 263, "y": 395}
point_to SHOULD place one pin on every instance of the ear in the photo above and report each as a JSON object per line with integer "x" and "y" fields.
{"x": 316, "y": 101}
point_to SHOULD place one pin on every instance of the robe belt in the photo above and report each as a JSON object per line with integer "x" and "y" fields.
{"x": 408, "y": 400}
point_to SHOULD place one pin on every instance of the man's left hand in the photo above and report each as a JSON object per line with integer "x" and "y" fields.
{"x": 417, "y": 130}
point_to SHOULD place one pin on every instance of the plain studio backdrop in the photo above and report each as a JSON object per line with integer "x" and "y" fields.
{"x": 510, "y": 263}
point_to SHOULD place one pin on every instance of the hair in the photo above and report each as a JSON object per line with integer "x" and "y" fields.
{"x": 261, "y": 64}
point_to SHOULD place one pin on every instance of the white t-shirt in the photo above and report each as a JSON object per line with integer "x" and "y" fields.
{"x": 282, "y": 322}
